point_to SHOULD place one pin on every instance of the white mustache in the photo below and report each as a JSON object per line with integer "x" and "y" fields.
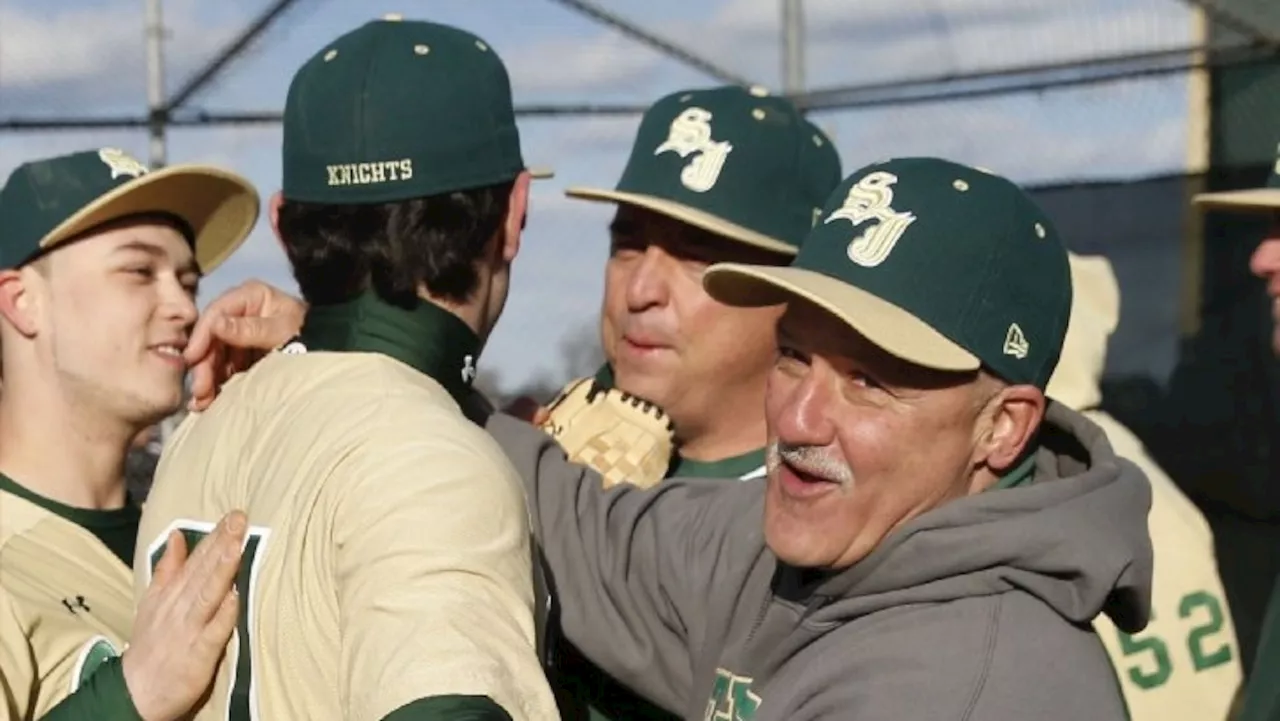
{"x": 809, "y": 459}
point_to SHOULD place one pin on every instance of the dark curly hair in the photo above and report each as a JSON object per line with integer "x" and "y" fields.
{"x": 339, "y": 251}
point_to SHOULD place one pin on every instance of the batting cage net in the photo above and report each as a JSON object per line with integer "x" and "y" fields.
{"x": 1115, "y": 113}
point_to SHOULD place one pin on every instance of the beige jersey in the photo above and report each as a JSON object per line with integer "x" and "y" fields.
{"x": 388, "y": 557}
{"x": 66, "y": 605}
{"x": 1186, "y": 663}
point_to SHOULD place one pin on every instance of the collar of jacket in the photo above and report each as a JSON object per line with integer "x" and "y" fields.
{"x": 426, "y": 337}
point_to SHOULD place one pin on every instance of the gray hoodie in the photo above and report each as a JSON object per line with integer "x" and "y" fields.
{"x": 979, "y": 610}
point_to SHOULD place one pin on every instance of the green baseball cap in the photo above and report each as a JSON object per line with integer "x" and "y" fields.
{"x": 51, "y": 201}
{"x": 940, "y": 264}
{"x": 734, "y": 161}
{"x": 1251, "y": 200}
{"x": 399, "y": 109}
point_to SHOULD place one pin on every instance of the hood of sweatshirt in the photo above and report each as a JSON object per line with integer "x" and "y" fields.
{"x": 1075, "y": 537}
{"x": 1095, "y": 312}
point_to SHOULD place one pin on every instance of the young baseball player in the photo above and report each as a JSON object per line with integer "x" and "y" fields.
{"x": 1186, "y": 662}
{"x": 387, "y": 573}
{"x": 99, "y": 263}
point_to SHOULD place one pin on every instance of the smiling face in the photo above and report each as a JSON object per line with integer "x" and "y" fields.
{"x": 110, "y": 315}
{"x": 862, "y": 442}
{"x": 667, "y": 340}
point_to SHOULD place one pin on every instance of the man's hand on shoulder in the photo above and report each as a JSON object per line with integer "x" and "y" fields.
{"x": 234, "y": 331}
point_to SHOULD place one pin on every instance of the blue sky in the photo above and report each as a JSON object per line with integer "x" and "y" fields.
{"x": 87, "y": 58}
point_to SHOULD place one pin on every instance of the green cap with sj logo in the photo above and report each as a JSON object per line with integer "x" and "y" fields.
{"x": 399, "y": 109}
{"x": 52, "y": 201}
{"x": 1251, "y": 200}
{"x": 737, "y": 162}
{"x": 940, "y": 264}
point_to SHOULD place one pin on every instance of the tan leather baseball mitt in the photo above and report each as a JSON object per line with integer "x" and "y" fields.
{"x": 625, "y": 438}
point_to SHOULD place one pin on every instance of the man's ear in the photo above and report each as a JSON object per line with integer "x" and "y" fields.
{"x": 17, "y": 303}
{"x": 273, "y": 211}
{"x": 1016, "y": 412}
{"x": 517, "y": 211}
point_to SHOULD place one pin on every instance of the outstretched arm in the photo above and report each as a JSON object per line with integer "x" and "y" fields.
{"x": 632, "y": 568}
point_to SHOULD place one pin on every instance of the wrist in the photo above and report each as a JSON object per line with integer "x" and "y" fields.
{"x": 138, "y": 687}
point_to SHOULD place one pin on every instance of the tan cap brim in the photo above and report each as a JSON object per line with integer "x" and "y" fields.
{"x": 884, "y": 324}
{"x": 1252, "y": 200}
{"x": 220, "y": 206}
{"x": 685, "y": 214}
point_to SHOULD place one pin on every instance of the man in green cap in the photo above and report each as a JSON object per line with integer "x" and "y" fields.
{"x": 722, "y": 174}
{"x": 1261, "y": 695}
{"x": 387, "y": 572}
{"x": 99, "y": 263}
{"x": 936, "y": 536}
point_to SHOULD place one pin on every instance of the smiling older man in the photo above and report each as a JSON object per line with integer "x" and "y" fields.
{"x": 936, "y": 535}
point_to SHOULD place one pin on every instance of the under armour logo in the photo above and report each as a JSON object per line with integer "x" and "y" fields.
{"x": 76, "y": 604}
{"x": 294, "y": 347}
{"x": 468, "y": 369}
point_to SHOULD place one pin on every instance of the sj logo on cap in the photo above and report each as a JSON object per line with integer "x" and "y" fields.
{"x": 121, "y": 163}
{"x": 691, "y": 133}
{"x": 871, "y": 198}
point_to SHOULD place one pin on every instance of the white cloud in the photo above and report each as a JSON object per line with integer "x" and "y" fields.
{"x": 602, "y": 63}
{"x": 93, "y": 57}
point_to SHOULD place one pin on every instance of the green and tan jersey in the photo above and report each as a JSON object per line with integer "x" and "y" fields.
{"x": 66, "y": 608}
{"x": 387, "y": 570}
{"x": 1186, "y": 662}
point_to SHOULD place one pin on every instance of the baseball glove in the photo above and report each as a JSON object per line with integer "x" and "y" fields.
{"x": 625, "y": 438}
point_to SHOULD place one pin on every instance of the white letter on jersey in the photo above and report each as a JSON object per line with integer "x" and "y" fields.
{"x": 242, "y": 699}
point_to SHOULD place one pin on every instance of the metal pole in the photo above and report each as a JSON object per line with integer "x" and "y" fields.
{"x": 155, "y": 83}
{"x": 156, "y": 126}
{"x": 792, "y": 47}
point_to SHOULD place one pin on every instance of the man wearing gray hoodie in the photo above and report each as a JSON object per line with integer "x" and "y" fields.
{"x": 936, "y": 537}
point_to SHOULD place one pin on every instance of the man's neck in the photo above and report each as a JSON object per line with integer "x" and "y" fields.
{"x": 64, "y": 454}
{"x": 727, "y": 438}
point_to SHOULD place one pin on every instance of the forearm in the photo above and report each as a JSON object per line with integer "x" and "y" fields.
{"x": 450, "y": 708}
{"x": 104, "y": 697}
{"x": 612, "y": 565}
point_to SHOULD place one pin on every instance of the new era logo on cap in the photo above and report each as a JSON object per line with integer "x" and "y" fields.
{"x": 940, "y": 264}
